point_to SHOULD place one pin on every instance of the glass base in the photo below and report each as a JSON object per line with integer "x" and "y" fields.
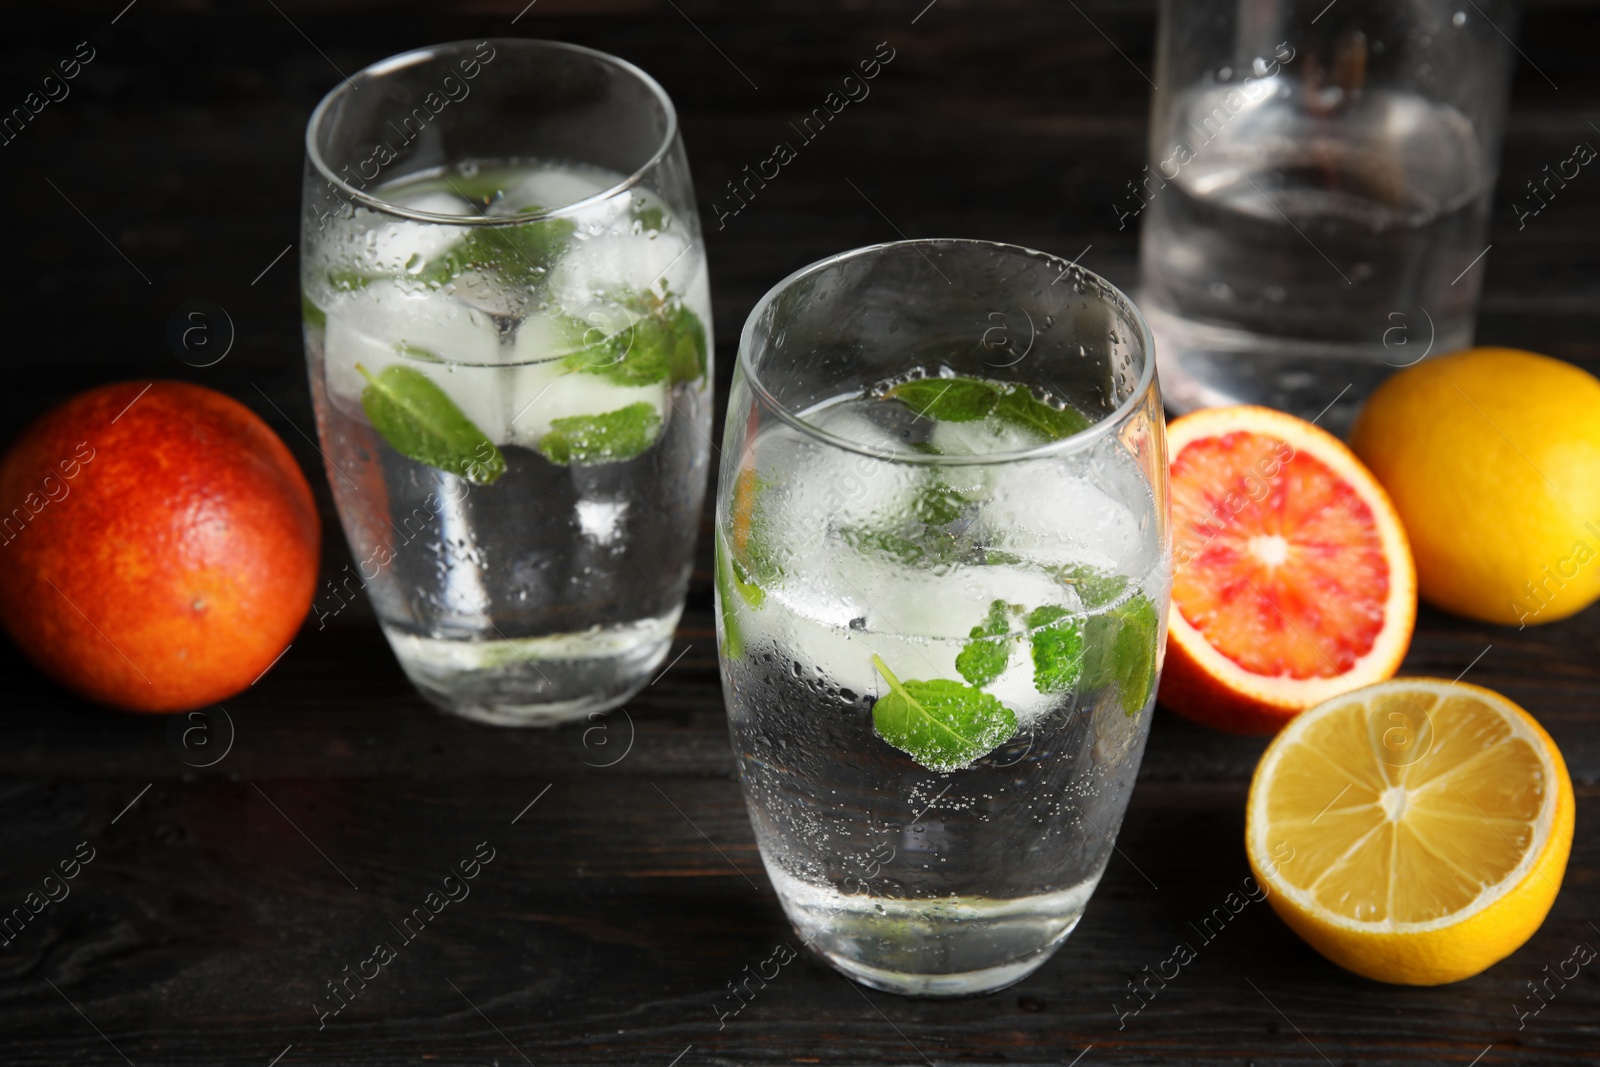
{"x": 964, "y": 984}
{"x": 535, "y": 681}
{"x": 1203, "y": 365}
{"x": 931, "y": 948}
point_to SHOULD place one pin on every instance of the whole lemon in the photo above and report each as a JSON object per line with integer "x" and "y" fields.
{"x": 1492, "y": 459}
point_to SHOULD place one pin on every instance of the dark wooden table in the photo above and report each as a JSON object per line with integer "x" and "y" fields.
{"x": 222, "y": 899}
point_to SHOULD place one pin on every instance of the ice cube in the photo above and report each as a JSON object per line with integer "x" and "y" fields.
{"x": 697, "y": 290}
{"x": 942, "y": 602}
{"x": 1048, "y": 511}
{"x": 544, "y": 388}
{"x": 435, "y": 202}
{"x": 397, "y": 247}
{"x": 981, "y": 437}
{"x": 811, "y": 491}
{"x": 596, "y": 266}
{"x": 550, "y": 188}
{"x": 455, "y": 346}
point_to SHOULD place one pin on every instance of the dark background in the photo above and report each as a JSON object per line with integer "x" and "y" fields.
{"x": 622, "y": 903}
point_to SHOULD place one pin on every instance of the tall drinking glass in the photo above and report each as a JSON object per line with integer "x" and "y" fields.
{"x": 507, "y": 330}
{"x": 943, "y": 568}
{"x": 1315, "y": 208}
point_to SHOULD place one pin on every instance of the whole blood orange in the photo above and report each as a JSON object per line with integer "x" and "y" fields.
{"x": 1292, "y": 577}
{"x": 158, "y": 548}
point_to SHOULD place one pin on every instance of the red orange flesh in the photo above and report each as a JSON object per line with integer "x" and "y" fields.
{"x": 1293, "y": 581}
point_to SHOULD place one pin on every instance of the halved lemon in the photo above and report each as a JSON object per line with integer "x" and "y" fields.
{"x": 1414, "y": 831}
{"x": 1292, "y": 576}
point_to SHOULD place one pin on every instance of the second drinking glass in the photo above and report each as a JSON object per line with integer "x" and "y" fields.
{"x": 507, "y": 328}
{"x": 943, "y": 568}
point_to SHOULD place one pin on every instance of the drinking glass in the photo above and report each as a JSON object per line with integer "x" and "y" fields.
{"x": 943, "y": 567}
{"x": 1316, "y": 203}
{"x": 507, "y": 322}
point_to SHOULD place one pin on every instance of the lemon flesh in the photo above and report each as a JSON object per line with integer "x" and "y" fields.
{"x": 1414, "y": 831}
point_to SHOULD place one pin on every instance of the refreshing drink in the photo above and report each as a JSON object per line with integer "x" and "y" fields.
{"x": 1315, "y": 209}
{"x": 1293, "y": 257}
{"x": 510, "y": 364}
{"x": 547, "y": 582}
{"x": 940, "y": 631}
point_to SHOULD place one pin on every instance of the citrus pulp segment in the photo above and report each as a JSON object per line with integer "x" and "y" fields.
{"x": 1413, "y": 831}
{"x": 1293, "y": 580}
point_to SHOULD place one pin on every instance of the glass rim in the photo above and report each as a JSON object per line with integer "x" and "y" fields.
{"x": 402, "y": 60}
{"x": 1112, "y": 420}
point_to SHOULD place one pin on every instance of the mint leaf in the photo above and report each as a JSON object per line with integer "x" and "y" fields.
{"x": 419, "y": 420}
{"x": 1057, "y": 649}
{"x": 521, "y": 253}
{"x": 930, "y": 548}
{"x": 726, "y": 580}
{"x": 939, "y": 503}
{"x": 963, "y": 399}
{"x": 608, "y": 438}
{"x": 666, "y": 343}
{"x": 1122, "y": 651}
{"x": 649, "y": 218}
{"x": 1096, "y": 588}
{"x": 947, "y": 399}
{"x": 310, "y": 314}
{"x": 941, "y": 724}
{"x": 348, "y": 281}
{"x": 485, "y": 187}
{"x": 524, "y": 253}
{"x": 984, "y": 658}
{"x": 340, "y": 281}
{"x": 1020, "y": 408}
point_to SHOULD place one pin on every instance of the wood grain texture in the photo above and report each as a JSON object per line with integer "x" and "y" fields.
{"x": 221, "y": 902}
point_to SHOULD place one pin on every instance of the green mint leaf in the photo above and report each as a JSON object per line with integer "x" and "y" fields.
{"x": 520, "y": 253}
{"x": 340, "y": 281}
{"x": 925, "y": 548}
{"x": 650, "y": 217}
{"x": 608, "y": 438}
{"x": 485, "y": 187}
{"x": 941, "y": 724}
{"x": 525, "y": 252}
{"x": 939, "y": 503}
{"x": 1096, "y": 588}
{"x": 668, "y": 343}
{"x": 1057, "y": 649}
{"x": 984, "y": 658}
{"x": 947, "y": 399}
{"x": 726, "y": 581}
{"x": 419, "y": 420}
{"x": 964, "y": 399}
{"x": 1122, "y": 645}
{"x": 312, "y": 315}
{"x": 1020, "y": 408}
{"x": 348, "y": 281}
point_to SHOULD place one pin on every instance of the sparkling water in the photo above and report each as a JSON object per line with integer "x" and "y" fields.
{"x": 1304, "y": 253}
{"x": 909, "y": 878}
{"x": 551, "y": 590}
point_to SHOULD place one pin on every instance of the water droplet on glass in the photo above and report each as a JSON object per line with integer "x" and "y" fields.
{"x": 1459, "y": 19}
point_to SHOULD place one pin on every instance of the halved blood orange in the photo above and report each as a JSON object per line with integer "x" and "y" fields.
{"x": 1293, "y": 580}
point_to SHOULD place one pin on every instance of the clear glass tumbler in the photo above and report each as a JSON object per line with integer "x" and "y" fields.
{"x": 943, "y": 568}
{"x": 1315, "y": 208}
{"x": 507, "y": 325}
